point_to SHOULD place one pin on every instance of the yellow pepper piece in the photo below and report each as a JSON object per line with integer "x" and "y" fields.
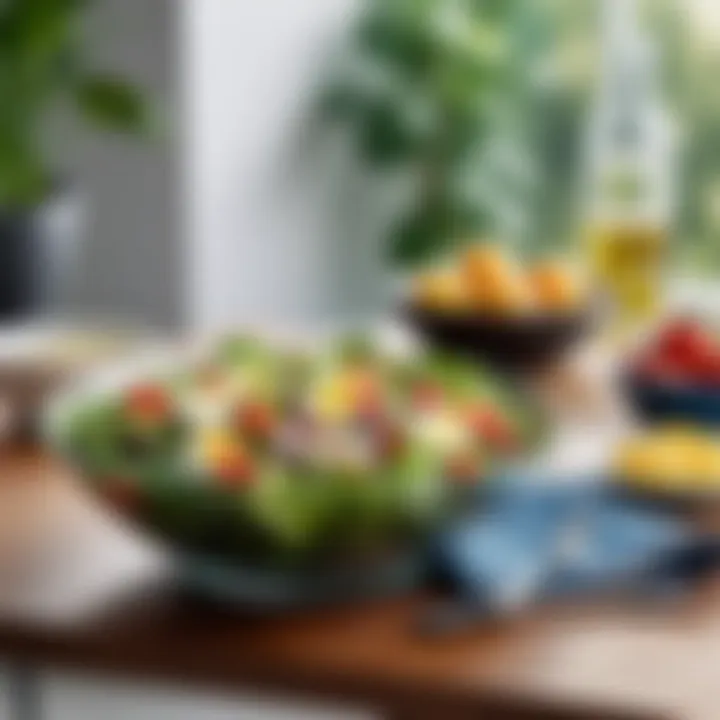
{"x": 217, "y": 446}
{"x": 333, "y": 399}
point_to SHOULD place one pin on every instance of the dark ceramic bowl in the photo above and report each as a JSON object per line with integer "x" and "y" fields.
{"x": 655, "y": 402}
{"x": 511, "y": 343}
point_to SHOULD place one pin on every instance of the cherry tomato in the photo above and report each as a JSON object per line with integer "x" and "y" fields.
{"x": 256, "y": 420}
{"x": 236, "y": 470}
{"x": 489, "y": 424}
{"x": 427, "y": 396}
{"x": 150, "y": 404}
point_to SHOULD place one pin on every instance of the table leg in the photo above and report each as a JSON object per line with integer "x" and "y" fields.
{"x": 24, "y": 693}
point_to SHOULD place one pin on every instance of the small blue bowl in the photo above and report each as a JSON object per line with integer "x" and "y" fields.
{"x": 656, "y": 403}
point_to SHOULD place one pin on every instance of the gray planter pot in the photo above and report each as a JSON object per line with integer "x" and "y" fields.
{"x": 40, "y": 251}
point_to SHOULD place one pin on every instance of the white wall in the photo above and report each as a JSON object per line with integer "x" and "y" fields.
{"x": 262, "y": 182}
{"x": 247, "y": 211}
{"x": 132, "y": 264}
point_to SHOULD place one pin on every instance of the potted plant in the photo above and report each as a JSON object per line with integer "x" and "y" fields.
{"x": 42, "y": 66}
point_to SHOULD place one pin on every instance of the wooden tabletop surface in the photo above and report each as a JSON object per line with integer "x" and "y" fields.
{"x": 583, "y": 663}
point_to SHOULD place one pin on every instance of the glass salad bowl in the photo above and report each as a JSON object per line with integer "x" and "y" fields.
{"x": 281, "y": 477}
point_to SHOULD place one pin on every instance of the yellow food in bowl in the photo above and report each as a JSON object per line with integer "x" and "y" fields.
{"x": 486, "y": 265}
{"x": 684, "y": 459}
{"x": 555, "y": 286}
{"x": 487, "y": 279}
{"x": 495, "y": 282}
{"x": 441, "y": 290}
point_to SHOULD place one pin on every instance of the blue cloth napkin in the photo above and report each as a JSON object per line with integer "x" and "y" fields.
{"x": 529, "y": 543}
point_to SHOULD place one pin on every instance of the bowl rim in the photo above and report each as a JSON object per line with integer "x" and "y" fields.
{"x": 631, "y": 380}
{"x": 514, "y": 322}
{"x": 160, "y": 358}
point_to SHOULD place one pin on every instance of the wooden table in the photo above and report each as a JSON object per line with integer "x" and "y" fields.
{"x": 582, "y": 664}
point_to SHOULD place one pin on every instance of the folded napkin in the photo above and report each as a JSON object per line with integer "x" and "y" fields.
{"x": 530, "y": 543}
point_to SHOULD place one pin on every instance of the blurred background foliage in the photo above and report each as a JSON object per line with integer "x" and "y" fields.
{"x": 442, "y": 86}
{"x": 487, "y": 101}
{"x": 43, "y": 67}
{"x": 689, "y": 33}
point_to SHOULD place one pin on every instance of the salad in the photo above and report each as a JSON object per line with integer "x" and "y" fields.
{"x": 275, "y": 457}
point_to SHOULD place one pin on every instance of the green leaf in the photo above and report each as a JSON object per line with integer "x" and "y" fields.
{"x": 469, "y": 41}
{"x": 419, "y": 483}
{"x": 112, "y": 103}
{"x": 400, "y": 33}
{"x": 242, "y": 349}
{"x": 495, "y": 9}
{"x": 356, "y": 347}
{"x": 420, "y": 236}
{"x": 289, "y": 508}
{"x": 340, "y": 102}
{"x": 34, "y": 30}
{"x": 384, "y": 140}
{"x": 435, "y": 228}
{"x": 24, "y": 181}
{"x": 398, "y": 128}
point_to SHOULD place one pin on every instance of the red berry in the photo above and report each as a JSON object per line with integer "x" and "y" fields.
{"x": 688, "y": 344}
{"x": 709, "y": 372}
